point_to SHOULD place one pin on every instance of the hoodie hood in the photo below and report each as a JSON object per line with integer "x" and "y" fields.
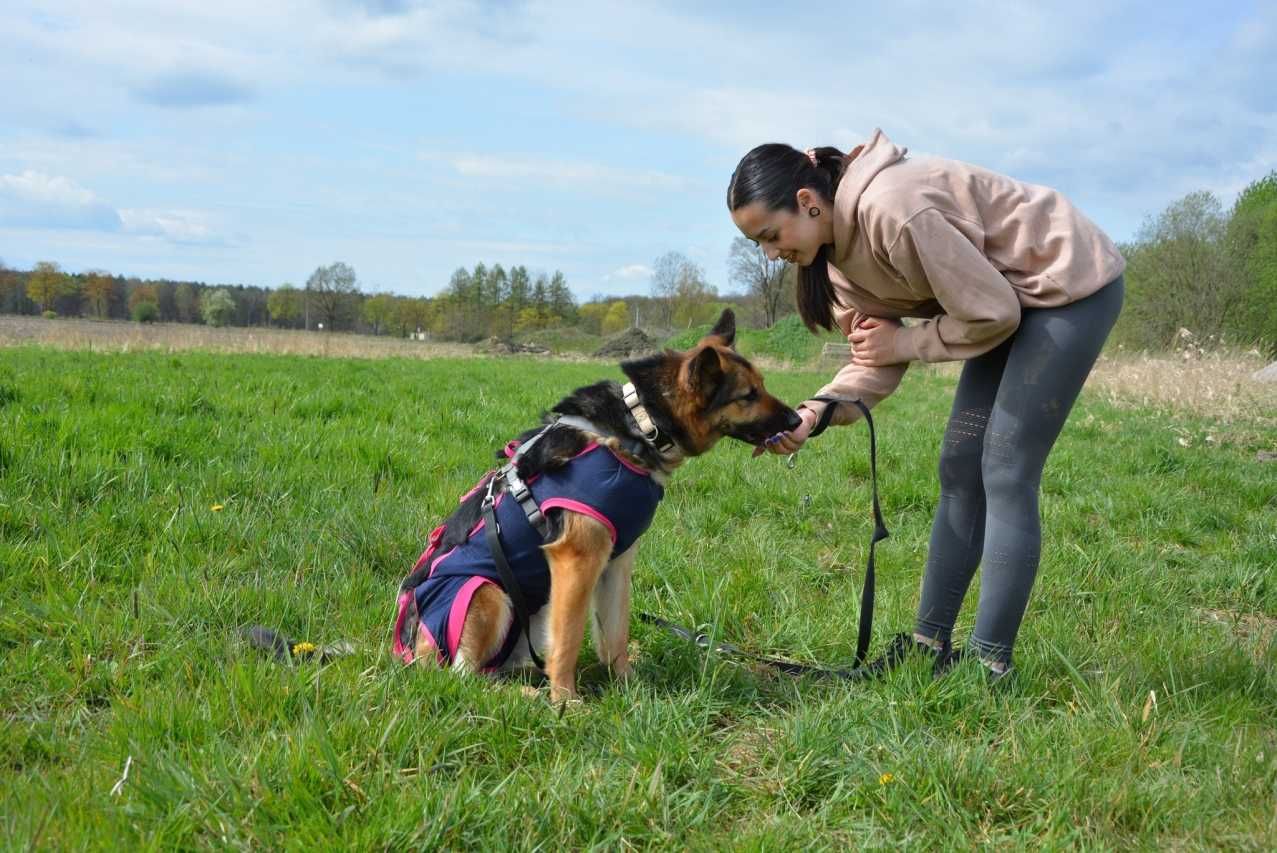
{"x": 874, "y": 156}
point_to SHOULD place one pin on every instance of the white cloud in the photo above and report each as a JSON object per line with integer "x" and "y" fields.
{"x": 34, "y": 199}
{"x": 184, "y": 227}
{"x": 630, "y": 272}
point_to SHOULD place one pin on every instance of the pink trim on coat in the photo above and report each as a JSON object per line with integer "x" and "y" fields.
{"x": 584, "y": 509}
{"x": 457, "y": 615}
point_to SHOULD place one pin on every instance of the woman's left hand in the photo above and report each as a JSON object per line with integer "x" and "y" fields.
{"x": 873, "y": 342}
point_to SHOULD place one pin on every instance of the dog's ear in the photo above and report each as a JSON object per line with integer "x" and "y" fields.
{"x": 704, "y": 370}
{"x": 725, "y": 328}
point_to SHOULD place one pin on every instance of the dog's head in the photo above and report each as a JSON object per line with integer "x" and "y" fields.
{"x": 711, "y": 391}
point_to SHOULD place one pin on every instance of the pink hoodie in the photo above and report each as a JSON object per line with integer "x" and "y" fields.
{"x": 961, "y": 246}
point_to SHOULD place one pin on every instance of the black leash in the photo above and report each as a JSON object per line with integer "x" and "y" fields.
{"x": 867, "y": 594}
{"x": 788, "y": 667}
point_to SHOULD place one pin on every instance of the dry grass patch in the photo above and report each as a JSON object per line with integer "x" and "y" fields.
{"x": 1255, "y": 631}
{"x": 1219, "y": 385}
{"x": 123, "y": 336}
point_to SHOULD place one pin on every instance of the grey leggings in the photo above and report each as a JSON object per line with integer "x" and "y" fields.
{"x": 1010, "y": 406}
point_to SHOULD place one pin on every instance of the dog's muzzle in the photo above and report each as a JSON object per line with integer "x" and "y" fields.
{"x": 758, "y": 432}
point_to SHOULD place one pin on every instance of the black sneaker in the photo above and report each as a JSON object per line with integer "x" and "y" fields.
{"x": 1000, "y": 679}
{"x": 947, "y": 657}
{"x": 901, "y": 646}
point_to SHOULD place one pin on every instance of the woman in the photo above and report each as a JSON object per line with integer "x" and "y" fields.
{"x": 1006, "y": 276}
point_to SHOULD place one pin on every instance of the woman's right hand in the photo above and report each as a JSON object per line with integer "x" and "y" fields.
{"x": 791, "y": 441}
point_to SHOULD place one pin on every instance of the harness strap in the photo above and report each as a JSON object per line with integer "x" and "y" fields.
{"x": 492, "y": 533}
{"x": 517, "y": 488}
{"x": 512, "y": 586}
{"x": 632, "y": 445}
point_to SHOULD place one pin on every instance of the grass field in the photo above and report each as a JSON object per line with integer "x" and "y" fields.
{"x": 151, "y": 503}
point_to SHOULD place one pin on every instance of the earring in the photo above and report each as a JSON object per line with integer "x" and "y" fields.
{"x": 813, "y": 212}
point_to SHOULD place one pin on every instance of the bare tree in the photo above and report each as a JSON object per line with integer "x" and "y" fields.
{"x": 666, "y": 271}
{"x": 678, "y": 286}
{"x": 329, "y": 291}
{"x": 763, "y": 279}
{"x": 693, "y": 297}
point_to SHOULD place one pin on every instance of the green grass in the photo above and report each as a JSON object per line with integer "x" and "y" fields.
{"x": 121, "y": 591}
{"x": 788, "y": 340}
{"x": 563, "y": 339}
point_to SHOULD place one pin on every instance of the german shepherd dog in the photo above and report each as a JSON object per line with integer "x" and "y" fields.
{"x": 693, "y": 399}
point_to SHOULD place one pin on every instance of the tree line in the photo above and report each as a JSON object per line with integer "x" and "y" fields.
{"x": 1193, "y": 266}
{"x": 476, "y": 303}
{"x": 479, "y": 302}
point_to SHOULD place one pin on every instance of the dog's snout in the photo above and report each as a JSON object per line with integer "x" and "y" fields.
{"x": 792, "y": 421}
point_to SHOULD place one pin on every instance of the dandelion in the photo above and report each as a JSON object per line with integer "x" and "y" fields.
{"x": 886, "y": 779}
{"x": 303, "y": 648}
{"x": 217, "y": 507}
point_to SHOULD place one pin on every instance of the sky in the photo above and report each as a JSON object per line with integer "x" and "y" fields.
{"x": 243, "y": 142}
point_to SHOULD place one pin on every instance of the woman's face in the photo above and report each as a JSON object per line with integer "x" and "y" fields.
{"x": 792, "y": 236}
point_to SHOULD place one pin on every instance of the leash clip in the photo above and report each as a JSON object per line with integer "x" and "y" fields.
{"x": 791, "y": 462}
{"x": 488, "y": 500}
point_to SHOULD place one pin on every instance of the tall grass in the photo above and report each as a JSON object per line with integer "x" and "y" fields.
{"x": 151, "y": 503}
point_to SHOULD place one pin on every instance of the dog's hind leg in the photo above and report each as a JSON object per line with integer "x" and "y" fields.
{"x": 576, "y": 560}
{"x": 612, "y": 613}
{"x": 484, "y": 630}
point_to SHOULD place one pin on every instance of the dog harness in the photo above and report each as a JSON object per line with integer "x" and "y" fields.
{"x": 596, "y": 482}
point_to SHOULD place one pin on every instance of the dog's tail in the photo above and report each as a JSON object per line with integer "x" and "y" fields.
{"x": 285, "y": 650}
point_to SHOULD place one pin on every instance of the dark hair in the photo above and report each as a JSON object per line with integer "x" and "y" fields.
{"x": 773, "y": 174}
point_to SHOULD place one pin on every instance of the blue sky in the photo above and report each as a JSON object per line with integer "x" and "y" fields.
{"x": 249, "y": 142}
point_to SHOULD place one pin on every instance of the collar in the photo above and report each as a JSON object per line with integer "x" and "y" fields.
{"x": 653, "y": 436}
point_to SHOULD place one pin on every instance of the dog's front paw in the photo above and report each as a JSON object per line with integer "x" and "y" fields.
{"x": 561, "y": 695}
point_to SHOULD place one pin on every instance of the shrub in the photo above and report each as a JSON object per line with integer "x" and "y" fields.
{"x": 146, "y": 312}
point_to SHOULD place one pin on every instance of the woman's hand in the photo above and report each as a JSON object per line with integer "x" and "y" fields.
{"x": 873, "y": 342}
{"x": 789, "y": 442}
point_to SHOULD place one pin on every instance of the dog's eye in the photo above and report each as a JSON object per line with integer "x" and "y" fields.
{"x": 751, "y": 396}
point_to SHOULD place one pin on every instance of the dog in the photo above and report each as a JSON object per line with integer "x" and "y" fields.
{"x": 596, "y": 470}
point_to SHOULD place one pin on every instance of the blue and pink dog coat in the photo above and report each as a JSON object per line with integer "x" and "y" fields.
{"x": 596, "y": 482}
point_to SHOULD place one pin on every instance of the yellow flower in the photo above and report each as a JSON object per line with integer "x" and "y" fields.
{"x": 886, "y": 779}
{"x": 216, "y": 507}
{"x": 303, "y": 648}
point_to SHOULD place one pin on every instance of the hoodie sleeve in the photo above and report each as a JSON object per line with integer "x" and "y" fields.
{"x": 981, "y": 308}
{"x": 870, "y": 385}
